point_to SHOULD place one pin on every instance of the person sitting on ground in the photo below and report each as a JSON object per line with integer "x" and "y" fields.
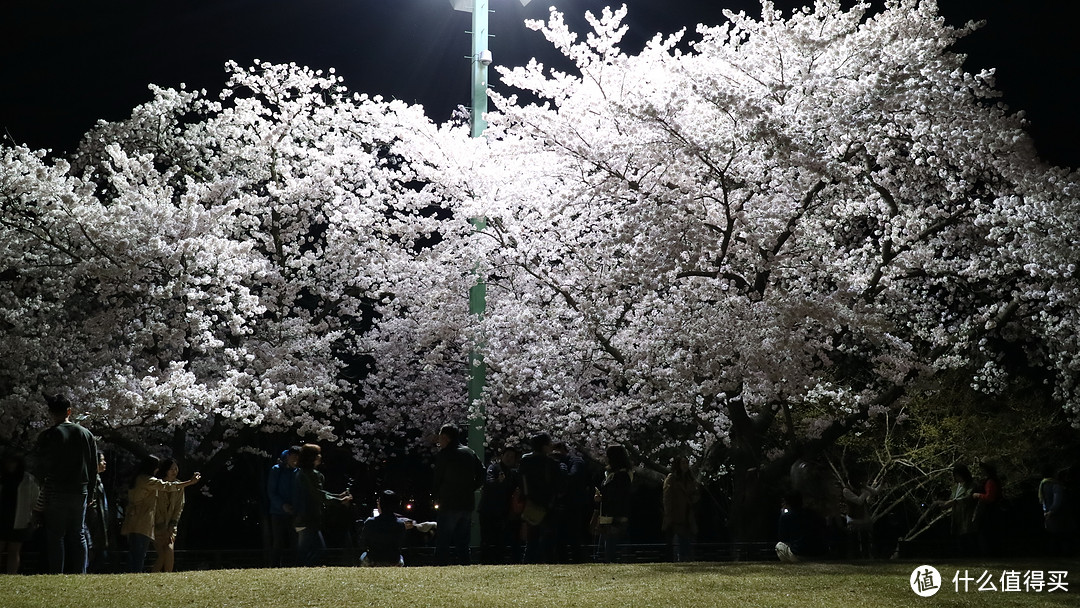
{"x": 384, "y": 534}
{"x": 801, "y": 533}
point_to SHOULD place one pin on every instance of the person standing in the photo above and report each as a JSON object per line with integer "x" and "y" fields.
{"x": 97, "y": 523}
{"x": 68, "y": 457}
{"x": 497, "y": 518}
{"x": 309, "y": 501}
{"x": 573, "y": 504}
{"x": 541, "y": 481}
{"x": 139, "y": 516}
{"x": 458, "y": 474}
{"x": 19, "y": 492}
{"x": 681, "y": 494}
{"x": 167, "y": 518}
{"x": 987, "y": 517}
{"x": 1055, "y": 507}
{"x": 962, "y": 504}
{"x": 613, "y": 501}
{"x": 280, "y": 489}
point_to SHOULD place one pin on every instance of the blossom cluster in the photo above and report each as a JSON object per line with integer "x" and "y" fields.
{"x": 755, "y": 238}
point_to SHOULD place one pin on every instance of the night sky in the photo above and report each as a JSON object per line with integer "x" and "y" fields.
{"x": 66, "y": 63}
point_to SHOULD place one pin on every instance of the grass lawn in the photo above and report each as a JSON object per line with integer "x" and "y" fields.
{"x": 860, "y": 585}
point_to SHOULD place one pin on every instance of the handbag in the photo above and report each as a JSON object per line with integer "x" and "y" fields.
{"x": 534, "y": 513}
{"x": 600, "y": 524}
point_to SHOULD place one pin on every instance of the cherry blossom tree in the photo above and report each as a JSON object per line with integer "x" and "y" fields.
{"x": 747, "y": 245}
{"x": 751, "y": 244}
{"x": 217, "y": 265}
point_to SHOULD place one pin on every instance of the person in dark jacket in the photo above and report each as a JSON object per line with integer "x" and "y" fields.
{"x": 309, "y": 499}
{"x": 987, "y": 517}
{"x": 500, "y": 518}
{"x": 613, "y": 501}
{"x": 384, "y": 533}
{"x": 280, "y": 488}
{"x": 541, "y": 480}
{"x": 573, "y": 506}
{"x": 458, "y": 474}
{"x": 97, "y": 523}
{"x": 68, "y": 456}
{"x": 1054, "y": 497}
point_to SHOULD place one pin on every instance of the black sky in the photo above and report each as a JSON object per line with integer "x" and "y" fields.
{"x": 66, "y": 63}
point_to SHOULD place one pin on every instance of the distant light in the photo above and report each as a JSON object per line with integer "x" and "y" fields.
{"x": 466, "y": 5}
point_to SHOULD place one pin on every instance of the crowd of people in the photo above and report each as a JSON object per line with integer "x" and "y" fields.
{"x": 543, "y": 506}
{"x": 977, "y": 514}
{"x": 546, "y": 505}
{"x": 71, "y": 506}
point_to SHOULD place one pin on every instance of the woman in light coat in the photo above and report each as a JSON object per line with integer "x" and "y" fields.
{"x": 166, "y": 518}
{"x": 142, "y": 503}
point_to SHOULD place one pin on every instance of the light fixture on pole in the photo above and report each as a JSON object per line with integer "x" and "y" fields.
{"x": 481, "y": 59}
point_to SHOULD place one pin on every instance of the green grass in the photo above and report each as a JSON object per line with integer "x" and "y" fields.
{"x": 868, "y": 584}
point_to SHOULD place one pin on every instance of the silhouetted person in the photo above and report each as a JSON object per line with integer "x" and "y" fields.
{"x": 97, "y": 523}
{"x": 280, "y": 489}
{"x": 68, "y": 458}
{"x": 681, "y": 494}
{"x": 1057, "y": 523}
{"x": 309, "y": 502}
{"x": 613, "y": 501}
{"x": 499, "y": 523}
{"x": 573, "y": 504}
{"x": 384, "y": 534}
{"x": 541, "y": 482}
{"x": 987, "y": 519}
{"x": 458, "y": 474}
{"x": 801, "y": 532}
{"x": 962, "y": 503}
{"x": 19, "y": 492}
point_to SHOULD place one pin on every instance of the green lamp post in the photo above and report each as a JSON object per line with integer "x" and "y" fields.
{"x": 480, "y": 60}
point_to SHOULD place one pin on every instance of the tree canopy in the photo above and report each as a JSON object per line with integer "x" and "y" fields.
{"x": 744, "y": 244}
